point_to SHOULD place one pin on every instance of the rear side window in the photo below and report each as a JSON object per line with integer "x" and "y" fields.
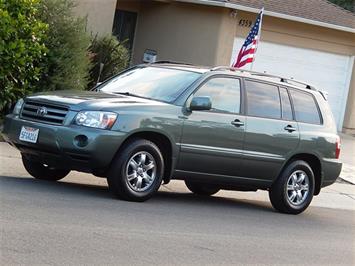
{"x": 305, "y": 107}
{"x": 262, "y": 100}
{"x": 286, "y": 105}
{"x": 224, "y": 94}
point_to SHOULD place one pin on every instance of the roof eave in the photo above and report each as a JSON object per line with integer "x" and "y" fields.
{"x": 269, "y": 13}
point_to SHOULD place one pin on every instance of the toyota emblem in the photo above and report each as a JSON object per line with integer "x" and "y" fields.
{"x": 42, "y": 111}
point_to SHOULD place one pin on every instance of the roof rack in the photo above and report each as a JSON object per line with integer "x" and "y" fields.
{"x": 254, "y": 73}
{"x": 170, "y": 62}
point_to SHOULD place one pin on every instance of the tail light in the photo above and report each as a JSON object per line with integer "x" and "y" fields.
{"x": 337, "y": 148}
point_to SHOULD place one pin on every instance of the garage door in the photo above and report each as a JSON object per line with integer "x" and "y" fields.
{"x": 326, "y": 71}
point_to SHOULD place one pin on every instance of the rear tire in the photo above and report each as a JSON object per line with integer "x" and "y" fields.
{"x": 293, "y": 191}
{"x": 43, "y": 172}
{"x": 137, "y": 171}
{"x": 201, "y": 189}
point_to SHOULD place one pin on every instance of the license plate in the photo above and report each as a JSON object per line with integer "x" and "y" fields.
{"x": 29, "y": 134}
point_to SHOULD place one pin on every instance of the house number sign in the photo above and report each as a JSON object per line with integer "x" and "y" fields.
{"x": 245, "y": 23}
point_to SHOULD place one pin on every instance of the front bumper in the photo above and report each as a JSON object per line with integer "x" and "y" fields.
{"x": 56, "y": 145}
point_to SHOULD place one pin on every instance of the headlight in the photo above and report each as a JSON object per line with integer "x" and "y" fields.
{"x": 97, "y": 119}
{"x": 18, "y": 107}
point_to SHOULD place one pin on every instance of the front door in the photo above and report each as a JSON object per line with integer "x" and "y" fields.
{"x": 271, "y": 134}
{"x": 212, "y": 141}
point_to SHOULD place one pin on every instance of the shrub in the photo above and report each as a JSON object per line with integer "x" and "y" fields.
{"x": 22, "y": 49}
{"x": 108, "y": 54}
{"x": 67, "y": 63}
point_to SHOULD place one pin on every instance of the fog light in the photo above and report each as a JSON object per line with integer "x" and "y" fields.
{"x": 81, "y": 141}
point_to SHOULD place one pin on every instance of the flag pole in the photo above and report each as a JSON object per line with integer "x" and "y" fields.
{"x": 259, "y": 37}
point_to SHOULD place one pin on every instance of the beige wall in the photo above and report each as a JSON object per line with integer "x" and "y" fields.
{"x": 204, "y": 35}
{"x": 349, "y": 118}
{"x": 100, "y": 14}
{"x": 129, "y": 5}
{"x": 294, "y": 34}
{"x": 177, "y": 31}
{"x": 285, "y": 32}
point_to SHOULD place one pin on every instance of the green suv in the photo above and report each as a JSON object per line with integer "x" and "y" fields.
{"x": 214, "y": 128}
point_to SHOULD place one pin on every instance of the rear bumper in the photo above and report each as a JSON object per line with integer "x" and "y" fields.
{"x": 56, "y": 145}
{"x": 331, "y": 169}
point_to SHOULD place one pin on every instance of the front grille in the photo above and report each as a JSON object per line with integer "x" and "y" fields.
{"x": 44, "y": 112}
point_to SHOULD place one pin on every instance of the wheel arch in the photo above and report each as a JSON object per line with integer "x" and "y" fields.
{"x": 164, "y": 143}
{"x": 314, "y": 162}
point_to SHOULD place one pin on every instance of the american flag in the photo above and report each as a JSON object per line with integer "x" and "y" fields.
{"x": 247, "y": 52}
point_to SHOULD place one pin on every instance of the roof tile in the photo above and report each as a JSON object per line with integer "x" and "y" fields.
{"x": 318, "y": 10}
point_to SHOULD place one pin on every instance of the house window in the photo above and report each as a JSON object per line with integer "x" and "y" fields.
{"x": 124, "y": 26}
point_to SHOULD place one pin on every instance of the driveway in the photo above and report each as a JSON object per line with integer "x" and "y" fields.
{"x": 76, "y": 221}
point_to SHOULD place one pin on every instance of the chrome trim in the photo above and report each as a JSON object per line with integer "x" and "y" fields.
{"x": 253, "y": 154}
{"x": 211, "y": 149}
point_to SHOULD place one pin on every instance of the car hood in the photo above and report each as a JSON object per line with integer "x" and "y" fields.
{"x": 91, "y": 100}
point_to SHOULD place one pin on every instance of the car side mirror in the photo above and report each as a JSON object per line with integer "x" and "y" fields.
{"x": 200, "y": 103}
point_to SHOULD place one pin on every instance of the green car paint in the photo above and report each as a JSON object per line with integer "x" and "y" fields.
{"x": 233, "y": 150}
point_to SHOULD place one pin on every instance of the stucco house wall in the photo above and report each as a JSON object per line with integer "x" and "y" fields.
{"x": 204, "y": 35}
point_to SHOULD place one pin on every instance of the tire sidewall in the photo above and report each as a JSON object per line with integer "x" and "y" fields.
{"x": 201, "y": 188}
{"x": 294, "y": 166}
{"x": 119, "y": 171}
{"x": 39, "y": 171}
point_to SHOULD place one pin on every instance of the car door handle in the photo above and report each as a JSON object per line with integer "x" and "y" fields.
{"x": 290, "y": 128}
{"x": 237, "y": 123}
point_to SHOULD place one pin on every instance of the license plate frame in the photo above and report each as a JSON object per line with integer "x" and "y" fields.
{"x": 29, "y": 134}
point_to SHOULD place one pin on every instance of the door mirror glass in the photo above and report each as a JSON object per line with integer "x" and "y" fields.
{"x": 201, "y": 103}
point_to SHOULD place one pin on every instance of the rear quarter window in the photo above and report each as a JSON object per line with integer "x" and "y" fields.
{"x": 305, "y": 106}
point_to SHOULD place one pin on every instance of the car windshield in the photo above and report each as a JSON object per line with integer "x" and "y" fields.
{"x": 162, "y": 84}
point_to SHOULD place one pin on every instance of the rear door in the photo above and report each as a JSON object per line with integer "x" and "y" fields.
{"x": 271, "y": 133}
{"x": 212, "y": 141}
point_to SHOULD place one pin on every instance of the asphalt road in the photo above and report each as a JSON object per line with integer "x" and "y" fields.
{"x": 76, "y": 221}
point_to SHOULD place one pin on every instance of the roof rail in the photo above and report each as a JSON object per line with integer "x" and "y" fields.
{"x": 255, "y": 73}
{"x": 170, "y": 62}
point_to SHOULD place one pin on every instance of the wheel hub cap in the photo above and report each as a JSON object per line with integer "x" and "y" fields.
{"x": 141, "y": 171}
{"x": 297, "y": 187}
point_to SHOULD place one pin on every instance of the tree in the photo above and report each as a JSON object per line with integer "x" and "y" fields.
{"x": 346, "y": 4}
{"x": 67, "y": 63}
{"x": 22, "y": 49}
{"x": 108, "y": 57}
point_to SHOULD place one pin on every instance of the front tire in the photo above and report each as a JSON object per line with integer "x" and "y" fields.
{"x": 137, "y": 171}
{"x": 43, "y": 172}
{"x": 201, "y": 189}
{"x": 293, "y": 191}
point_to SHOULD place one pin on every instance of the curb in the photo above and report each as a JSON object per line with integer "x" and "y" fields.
{"x": 344, "y": 181}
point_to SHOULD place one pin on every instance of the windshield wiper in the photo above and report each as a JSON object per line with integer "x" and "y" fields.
{"x": 132, "y": 94}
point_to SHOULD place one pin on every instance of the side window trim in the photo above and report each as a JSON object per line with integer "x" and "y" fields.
{"x": 291, "y": 103}
{"x": 280, "y": 102}
{"x": 241, "y": 108}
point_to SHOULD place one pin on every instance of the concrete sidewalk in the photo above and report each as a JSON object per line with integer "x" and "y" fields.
{"x": 347, "y": 155}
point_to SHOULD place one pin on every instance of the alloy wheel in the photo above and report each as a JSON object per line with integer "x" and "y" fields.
{"x": 297, "y": 187}
{"x": 141, "y": 171}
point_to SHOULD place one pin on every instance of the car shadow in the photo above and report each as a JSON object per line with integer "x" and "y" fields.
{"x": 66, "y": 188}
